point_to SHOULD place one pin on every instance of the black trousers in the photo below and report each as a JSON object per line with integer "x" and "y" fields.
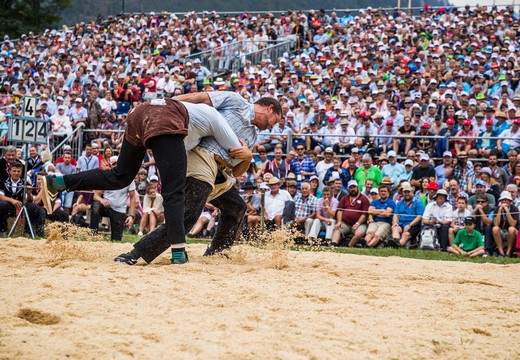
{"x": 232, "y": 208}
{"x": 117, "y": 220}
{"x": 443, "y": 234}
{"x": 8, "y": 210}
{"x": 170, "y": 159}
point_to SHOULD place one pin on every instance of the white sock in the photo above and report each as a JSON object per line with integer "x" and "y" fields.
{"x": 179, "y": 246}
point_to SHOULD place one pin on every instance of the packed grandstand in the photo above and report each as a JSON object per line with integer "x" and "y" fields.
{"x": 396, "y": 126}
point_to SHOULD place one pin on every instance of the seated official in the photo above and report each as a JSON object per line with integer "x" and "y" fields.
{"x": 11, "y": 201}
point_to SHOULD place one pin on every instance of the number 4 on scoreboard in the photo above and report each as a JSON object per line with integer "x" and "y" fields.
{"x": 29, "y": 108}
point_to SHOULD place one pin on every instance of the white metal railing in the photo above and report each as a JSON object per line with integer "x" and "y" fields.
{"x": 272, "y": 52}
{"x": 230, "y": 56}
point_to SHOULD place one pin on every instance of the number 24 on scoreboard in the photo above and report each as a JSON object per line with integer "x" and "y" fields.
{"x": 29, "y": 130}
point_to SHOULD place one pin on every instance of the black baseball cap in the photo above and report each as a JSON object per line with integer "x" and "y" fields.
{"x": 469, "y": 220}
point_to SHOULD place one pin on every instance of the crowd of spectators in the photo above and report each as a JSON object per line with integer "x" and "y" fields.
{"x": 378, "y": 105}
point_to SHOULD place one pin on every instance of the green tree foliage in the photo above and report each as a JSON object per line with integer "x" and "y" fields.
{"x": 18, "y": 17}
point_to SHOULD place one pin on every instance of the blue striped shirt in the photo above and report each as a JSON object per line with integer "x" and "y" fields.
{"x": 238, "y": 113}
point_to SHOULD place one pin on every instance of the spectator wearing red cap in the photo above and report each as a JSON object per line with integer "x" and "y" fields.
{"x": 423, "y": 142}
{"x": 450, "y": 130}
{"x": 510, "y": 138}
{"x": 466, "y": 139}
{"x": 428, "y": 196}
{"x": 385, "y": 144}
{"x": 326, "y": 131}
{"x": 364, "y": 128}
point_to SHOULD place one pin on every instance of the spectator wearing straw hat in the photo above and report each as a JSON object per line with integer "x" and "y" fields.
{"x": 275, "y": 203}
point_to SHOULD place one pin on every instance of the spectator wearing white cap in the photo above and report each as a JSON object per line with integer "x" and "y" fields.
{"x": 78, "y": 114}
{"x": 201, "y": 73}
{"x": 423, "y": 170}
{"x": 505, "y": 220}
{"x": 445, "y": 170}
{"x": 351, "y": 216}
{"x": 323, "y": 165}
{"x": 61, "y": 126}
{"x": 393, "y": 169}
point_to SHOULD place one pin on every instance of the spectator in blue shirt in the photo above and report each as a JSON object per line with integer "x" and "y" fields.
{"x": 484, "y": 144}
{"x": 393, "y": 169}
{"x": 381, "y": 211}
{"x": 406, "y": 224}
{"x": 302, "y": 166}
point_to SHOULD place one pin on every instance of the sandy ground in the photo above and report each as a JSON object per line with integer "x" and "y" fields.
{"x": 260, "y": 304}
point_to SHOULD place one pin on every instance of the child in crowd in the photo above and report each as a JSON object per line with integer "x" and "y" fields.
{"x": 458, "y": 217}
{"x": 469, "y": 241}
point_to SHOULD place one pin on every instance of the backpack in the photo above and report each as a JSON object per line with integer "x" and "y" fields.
{"x": 429, "y": 240}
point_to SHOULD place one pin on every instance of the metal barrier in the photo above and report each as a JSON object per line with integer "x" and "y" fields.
{"x": 272, "y": 52}
{"x": 76, "y": 140}
{"x": 342, "y": 10}
{"x": 231, "y": 57}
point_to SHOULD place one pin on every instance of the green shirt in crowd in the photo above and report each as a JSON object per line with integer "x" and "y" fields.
{"x": 468, "y": 242}
{"x": 362, "y": 175}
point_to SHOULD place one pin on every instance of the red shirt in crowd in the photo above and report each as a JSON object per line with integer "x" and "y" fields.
{"x": 353, "y": 208}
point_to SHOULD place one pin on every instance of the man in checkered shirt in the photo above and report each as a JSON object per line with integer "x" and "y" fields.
{"x": 305, "y": 206}
{"x": 302, "y": 166}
